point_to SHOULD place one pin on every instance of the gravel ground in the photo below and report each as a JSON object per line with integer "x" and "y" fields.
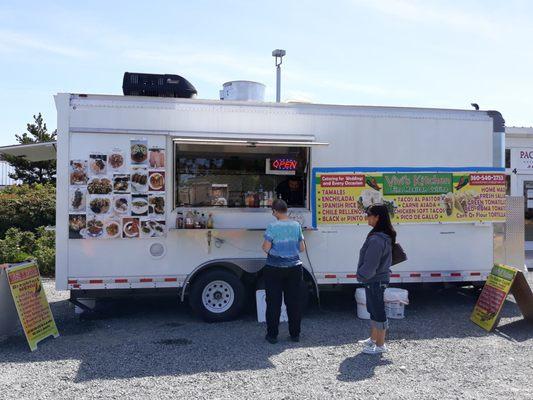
{"x": 153, "y": 348}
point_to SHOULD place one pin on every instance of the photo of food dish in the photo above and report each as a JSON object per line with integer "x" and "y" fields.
{"x": 156, "y": 181}
{"x": 95, "y": 228}
{"x": 121, "y": 204}
{"x": 152, "y": 228}
{"x": 121, "y": 183}
{"x": 99, "y": 186}
{"x": 77, "y": 200}
{"x": 156, "y": 159}
{"x": 139, "y": 180}
{"x": 447, "y": 203}
{"x": 139, "y": 151}
{"x": 78, "y": 172}
{"x": 100, "y": 205}
{"x": 116, "y": 160}
{"x": 369, "y": 197}
{"x": 156, "y": 204}
{"x": 139, "y": 205}
{"x": 112, "y": 229}
{"x": 130, "y": 228}
{"x": 461, "y": 202}
{"x": 98, "y": 164}
{"x": 76, "y": 224}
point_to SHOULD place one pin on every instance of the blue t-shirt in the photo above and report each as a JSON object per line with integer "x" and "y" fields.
{"x": 285, "y": 237}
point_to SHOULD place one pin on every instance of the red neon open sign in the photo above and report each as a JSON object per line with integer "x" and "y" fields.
{"x": 283, "y": 164}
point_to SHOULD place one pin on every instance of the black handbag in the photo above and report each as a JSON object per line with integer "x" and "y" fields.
{"x": 398, "y": 255}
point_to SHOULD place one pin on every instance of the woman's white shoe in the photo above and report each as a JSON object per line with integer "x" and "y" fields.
{"x": 375, "y": 350}
{"x": 367, "y": 342}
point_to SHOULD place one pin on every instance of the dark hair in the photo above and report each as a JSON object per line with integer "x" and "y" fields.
{"x": 280, "y": 206}
{"x": 384, "y": 223}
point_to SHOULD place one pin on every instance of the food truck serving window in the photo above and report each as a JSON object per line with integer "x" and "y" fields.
{"x": 240, "y": 176}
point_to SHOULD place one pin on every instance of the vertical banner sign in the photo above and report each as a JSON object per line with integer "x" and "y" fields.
{"x": 31, "y": 303}
{"x": 411, "y": 197}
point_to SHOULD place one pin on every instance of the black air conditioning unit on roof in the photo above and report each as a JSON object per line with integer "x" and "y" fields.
{"x": 157, "y": 85}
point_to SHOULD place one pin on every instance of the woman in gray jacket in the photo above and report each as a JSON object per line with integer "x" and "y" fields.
{"x": 373, "y": 270}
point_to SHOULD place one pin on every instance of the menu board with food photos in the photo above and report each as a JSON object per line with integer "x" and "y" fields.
{"x": 119, "y": 194}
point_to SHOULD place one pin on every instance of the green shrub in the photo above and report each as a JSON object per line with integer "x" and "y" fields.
{"x": 46, "y": 260}
{"x": 27, "y": 207}
{"x": 20, "y": 246}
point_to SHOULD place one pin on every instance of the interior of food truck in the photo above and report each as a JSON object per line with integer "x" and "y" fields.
{"x": 240, "y": 176}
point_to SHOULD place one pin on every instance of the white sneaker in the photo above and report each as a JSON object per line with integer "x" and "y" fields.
{"x": 375, "y": 350}
{"x": 367, "y": 342}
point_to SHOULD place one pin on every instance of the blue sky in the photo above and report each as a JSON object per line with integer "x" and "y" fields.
{"x": 390, "y": 52}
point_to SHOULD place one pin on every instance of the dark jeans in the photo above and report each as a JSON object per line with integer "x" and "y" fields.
{"x": 287, "y": 282}
{"x": 375, "y": 304}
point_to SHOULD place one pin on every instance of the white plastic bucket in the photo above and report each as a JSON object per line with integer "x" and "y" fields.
{"x": 360, "y": 299}
{"x": 395, "y": 301}
{"x": 260, "y": 299}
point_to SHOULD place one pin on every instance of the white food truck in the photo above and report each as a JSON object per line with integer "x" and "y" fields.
{"x": 170, "y": 194}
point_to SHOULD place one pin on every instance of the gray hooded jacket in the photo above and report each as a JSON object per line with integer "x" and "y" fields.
{"x": 375, "y": 259}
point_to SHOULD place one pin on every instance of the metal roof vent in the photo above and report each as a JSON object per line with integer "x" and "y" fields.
{"x": 243, "y": 91}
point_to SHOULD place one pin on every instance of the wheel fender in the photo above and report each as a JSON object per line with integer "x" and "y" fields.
{"x": 233, "y": 267}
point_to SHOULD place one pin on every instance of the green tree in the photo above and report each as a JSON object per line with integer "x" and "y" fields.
{"x": 33, "y": 172}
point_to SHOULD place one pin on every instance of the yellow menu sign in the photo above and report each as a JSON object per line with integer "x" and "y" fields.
{"x": 31, "y": 303}
{"x": 502, "y": 281}
{"x": 411, "y": 197}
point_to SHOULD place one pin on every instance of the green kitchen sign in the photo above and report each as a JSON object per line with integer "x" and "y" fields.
{"x": 417, "y": 183}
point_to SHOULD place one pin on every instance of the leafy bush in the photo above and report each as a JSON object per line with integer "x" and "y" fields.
{"x": 45, "y": 251}
{"x": 20, "y": 246}
{"x": 27, "y": 207}
{"x": 46, "y": 260}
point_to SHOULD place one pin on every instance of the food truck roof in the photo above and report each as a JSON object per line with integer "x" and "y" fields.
{"x": 468, "y": 113}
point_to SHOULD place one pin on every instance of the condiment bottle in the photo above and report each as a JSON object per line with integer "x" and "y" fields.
{"x": 189, "y": 220}
{"x": 210, "y": 222}
{"x": 196, "y": 220}
{"x": 179, "y": 220}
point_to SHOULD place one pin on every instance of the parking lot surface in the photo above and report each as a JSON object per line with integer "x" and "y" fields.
{"x": 156, "y": 348}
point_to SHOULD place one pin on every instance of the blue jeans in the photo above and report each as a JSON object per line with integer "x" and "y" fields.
{"x": 375, "y": 304}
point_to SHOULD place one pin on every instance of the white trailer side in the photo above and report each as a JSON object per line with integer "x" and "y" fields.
{"x": 366, "y": 137}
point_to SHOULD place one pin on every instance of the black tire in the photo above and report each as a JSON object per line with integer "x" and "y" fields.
{"x": 207, "y": 279}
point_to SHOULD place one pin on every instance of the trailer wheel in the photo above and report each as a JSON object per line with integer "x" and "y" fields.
{"x": 217, "y": 296}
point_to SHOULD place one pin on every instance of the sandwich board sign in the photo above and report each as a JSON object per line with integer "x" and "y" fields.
{"x": 502, "y": 281}
{"x": 28, "y": 299}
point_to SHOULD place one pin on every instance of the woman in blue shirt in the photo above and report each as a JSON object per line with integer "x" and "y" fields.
{"x": 283, "y": 272}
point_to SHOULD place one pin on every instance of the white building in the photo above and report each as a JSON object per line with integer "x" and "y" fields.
{"x": 519, "y": 167}
{"x": 5, "y": 170}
